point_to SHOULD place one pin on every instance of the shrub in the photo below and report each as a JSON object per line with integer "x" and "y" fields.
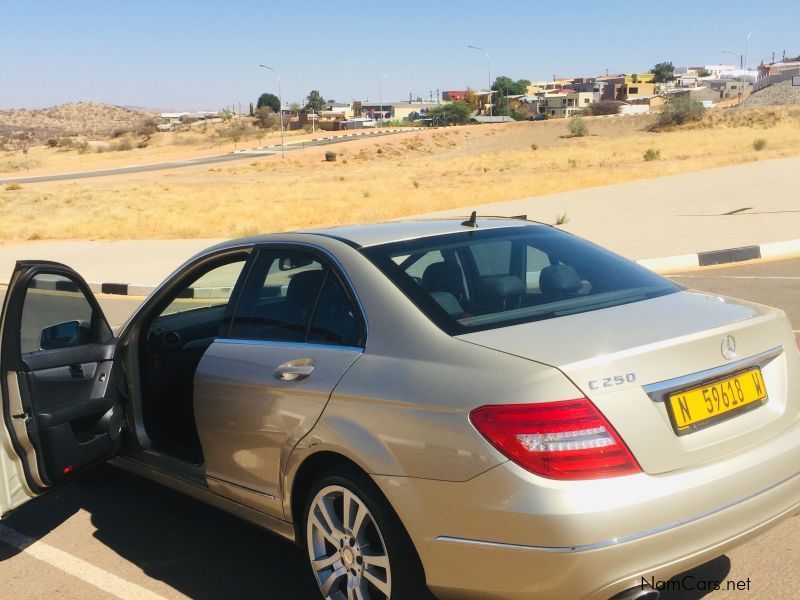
{"x": 120, "y": 131}
{"x": 13, "y": 187}
{"x": 534, "y": 147}
{"x": 147, "y": 128}
{"x": 572, "y": 163}
{"x": 562, "y": 219}
{"x": 678, "y": 110}
{"x": 330, "y": 156}
{"x": 52, "y": 143}
{"x": 577, "y": 127}
{"x": 652, "y": 154}
{"x": 604, "y": 107}
{"x": 759, "y": 144}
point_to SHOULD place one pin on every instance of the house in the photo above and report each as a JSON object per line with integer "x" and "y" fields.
{"x": 397, "y": 111}
{"x": 730, "y": 88}
{"x": 701, "y": 94}
{"x": 536, "y": 86}
{"x": 776, "y": 68}
{"x": 454, "y": 96}
{"x": 485, "y": 97}
{"x": 640, "y": 78}
{"x": 340, "y": 110}
{"x": 564, "y": 102}
{"x": 610, "y": 86}
{"x": 634, "y": 89}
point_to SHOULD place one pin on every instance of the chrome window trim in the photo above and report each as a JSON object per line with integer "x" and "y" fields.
{"x": 660, "y": 390}
{"x": 278, "y": 344}
{"x": 190, "y": 264}
{"x": 634, "y": 536}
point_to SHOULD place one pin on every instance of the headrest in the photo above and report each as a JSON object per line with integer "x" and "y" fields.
{"x": 501, "y": 286}
{"x": 304, "y": 286}
{"x": 443, "y": 277}
{"x": 556, "y": 280}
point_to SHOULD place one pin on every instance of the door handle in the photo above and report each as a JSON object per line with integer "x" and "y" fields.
{"x": 295, "y": 370}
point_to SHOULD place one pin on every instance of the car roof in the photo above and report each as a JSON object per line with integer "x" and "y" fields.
{"x": 395, "y": 231}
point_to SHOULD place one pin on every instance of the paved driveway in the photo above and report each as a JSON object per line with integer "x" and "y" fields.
{"x": 124, "y": 537}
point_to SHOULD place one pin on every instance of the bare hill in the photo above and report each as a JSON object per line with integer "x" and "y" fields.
{"x": 87, "y": 119}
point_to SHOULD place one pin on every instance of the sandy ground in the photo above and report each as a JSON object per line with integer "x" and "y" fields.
{"x": 385, "y": 178}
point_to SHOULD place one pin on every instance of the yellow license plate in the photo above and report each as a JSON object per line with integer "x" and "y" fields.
{"x": 700, "y": 406}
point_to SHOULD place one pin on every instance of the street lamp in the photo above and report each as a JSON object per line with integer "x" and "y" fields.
{"x": 280, "y": 101}
{"x": 489, "y": 69}
{"x": 380, "y": 94}
{"x": 739, "y": 56}
{"x": 744, "y": 66}
{"x": 746, "y": 45}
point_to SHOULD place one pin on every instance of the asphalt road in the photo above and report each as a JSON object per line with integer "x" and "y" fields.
{"x": 124, "y": 537}
{"x": 193, "y": 162}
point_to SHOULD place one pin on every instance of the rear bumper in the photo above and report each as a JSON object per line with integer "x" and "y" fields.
{"x": 510, "y": 534}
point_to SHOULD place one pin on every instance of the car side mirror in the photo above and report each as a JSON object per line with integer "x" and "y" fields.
{"x": 65, "y": 335}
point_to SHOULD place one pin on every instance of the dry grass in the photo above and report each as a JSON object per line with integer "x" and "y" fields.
{"x": 381, "y": 179}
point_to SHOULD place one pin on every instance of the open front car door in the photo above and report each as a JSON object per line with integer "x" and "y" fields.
{"x": 61, "y": 406}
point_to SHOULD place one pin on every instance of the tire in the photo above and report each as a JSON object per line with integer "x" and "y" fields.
{"x": 372, "y": 555}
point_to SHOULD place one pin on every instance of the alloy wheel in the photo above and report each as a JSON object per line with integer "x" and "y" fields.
{"x": 346, "y": 547}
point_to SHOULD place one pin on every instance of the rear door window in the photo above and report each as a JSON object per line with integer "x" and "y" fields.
{"x": 294, "y": 296}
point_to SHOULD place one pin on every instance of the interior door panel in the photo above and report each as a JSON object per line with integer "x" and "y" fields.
{"x": 62, "y": 403}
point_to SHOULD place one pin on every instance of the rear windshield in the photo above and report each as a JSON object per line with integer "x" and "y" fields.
{"x": 485, "y": 279}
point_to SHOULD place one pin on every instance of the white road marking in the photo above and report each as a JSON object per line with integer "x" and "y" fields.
{"x": 105, "y": 581}
{"x": 786, "y": 277}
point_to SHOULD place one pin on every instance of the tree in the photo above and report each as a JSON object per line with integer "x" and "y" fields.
{"x": 455, "y": 113}
{"x": 295, "y": 107}
{"x": 266, "y": 119}
{"x": 507, "y": 86}
{"x": 663, "y": 72}
{"x": 234, "y": 133}
{"x": 471, "y": 99}
{"x": 315, "y": 102}
{"x": 269, "y": 100}
{"x": 679, "y": 109}
{"x": 704, "y": 73}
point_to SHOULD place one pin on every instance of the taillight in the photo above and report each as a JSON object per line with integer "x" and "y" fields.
{"x": 568, "y": 439}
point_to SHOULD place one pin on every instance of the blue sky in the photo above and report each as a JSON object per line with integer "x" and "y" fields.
{"x": 204, "y": 55}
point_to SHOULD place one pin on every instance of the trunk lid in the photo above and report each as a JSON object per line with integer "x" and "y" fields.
{"x": 615, "y": 356}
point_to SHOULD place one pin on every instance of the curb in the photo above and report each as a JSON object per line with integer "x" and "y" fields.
{"x": 678, "y": 262}
{"x": 666, "y": 264}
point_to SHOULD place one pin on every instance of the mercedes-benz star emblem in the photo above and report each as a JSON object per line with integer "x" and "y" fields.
{"x": 728, "y": 347}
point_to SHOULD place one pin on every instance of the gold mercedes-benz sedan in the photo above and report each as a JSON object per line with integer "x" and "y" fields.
{"x": 489, "y": 408}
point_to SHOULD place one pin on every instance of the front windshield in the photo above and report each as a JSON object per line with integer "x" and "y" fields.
{"x": 484, "y": 279}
